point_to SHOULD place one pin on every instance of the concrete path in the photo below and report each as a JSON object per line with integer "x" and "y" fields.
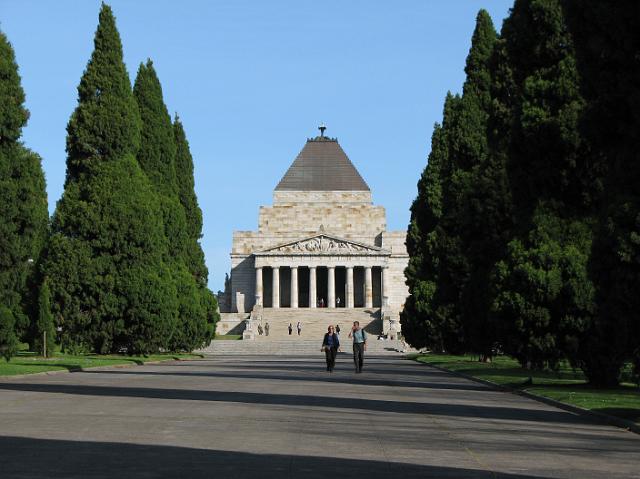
{"x": 266, "y": 417}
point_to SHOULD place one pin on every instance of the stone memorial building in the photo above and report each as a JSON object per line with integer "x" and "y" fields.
{"x": 323, "y": 245}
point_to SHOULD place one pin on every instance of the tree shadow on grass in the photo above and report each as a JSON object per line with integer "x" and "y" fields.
{"x": 584, "y": 388}
{"x": 521, "y": 375}
{"x": 631, "y": 414}
{"x": 46, "y": 458}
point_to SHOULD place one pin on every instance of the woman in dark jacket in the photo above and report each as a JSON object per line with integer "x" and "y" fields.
{"x": 330, "y": 345}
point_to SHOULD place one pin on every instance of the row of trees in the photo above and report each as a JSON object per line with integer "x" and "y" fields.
{"x": 119, "y": 266}
{"x": 525, "y": 232}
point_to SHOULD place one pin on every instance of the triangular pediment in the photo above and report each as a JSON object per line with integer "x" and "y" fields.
{"x": 324, "y": 244}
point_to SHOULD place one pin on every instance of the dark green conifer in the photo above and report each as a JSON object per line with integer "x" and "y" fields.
{"x": 106, "y": 124}
{"x": 195, "y": 256}
{"x": 157, "y": 156}
{"x": 417, "y": 319}
{"x": 105, "y": 263}
{"x": 427, "y": 320}
{"x": 158, "y": 149}
{"x": 189, "y": 201}
{"x": 23, "y": 200}
{"x": 8, "y": 339}
{"x": 607, "y": 46}
{"x": 543, "y": 293}
{"x": 45, "y": 331}
{"x": 470, "y": 250}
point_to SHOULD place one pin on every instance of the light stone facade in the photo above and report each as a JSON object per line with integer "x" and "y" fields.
{"x": 320, "y": 247}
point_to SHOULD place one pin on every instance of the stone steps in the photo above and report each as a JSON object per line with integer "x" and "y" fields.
{"x": 303, "y": 347}
{"x": 315, "y": 322}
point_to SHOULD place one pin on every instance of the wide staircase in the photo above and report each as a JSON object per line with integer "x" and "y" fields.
{"x": 315, "y": 322}
{"x": 297, "y": 347}
{"x": 314, "y": 325}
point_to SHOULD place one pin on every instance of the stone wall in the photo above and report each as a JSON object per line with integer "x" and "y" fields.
{"x": 301, "y": 214}
{"x": 339, "y": 212}
{"x": 281, "y": 197}
{"x": 243, "y": 279}
{"x": 397, "y": 289}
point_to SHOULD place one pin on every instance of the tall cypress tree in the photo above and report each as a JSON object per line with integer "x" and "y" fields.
{"x": 157, "y": 156}
{"x": 105, "y": 262}
{"x": 544, "y": 296}
{"x": 427, "y": 319}
{"x": 452, "y": 268}
{"x": 607, "y": 45}
{"x": 23, "y": 199}
{"x": 466, "y": 220}
{"x": 195, "y": 255}
{"x": 189, "y": 201}
{"x": 416, "y": 318}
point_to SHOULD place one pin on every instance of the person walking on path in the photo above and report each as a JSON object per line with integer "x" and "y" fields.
{"x": 299, "y": 326}
{"x": 359, "y": 345}
{"x": 338, "y": 329}
{"x": 330, "y": 345}
{"x": 266, "y": 329}
{"x": 290, "y": 329}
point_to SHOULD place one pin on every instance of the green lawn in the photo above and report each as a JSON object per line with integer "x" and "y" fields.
{"x": 28, "y": 363}
{"x": 566, "y": 384}
{"x": 227, "y": 337}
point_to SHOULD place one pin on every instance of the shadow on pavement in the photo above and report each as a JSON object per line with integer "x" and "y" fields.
{"x": 336, "y": 377}
{"x": 383, "y": 406}
{"x": 305, "y": 365}
{"x": 23, "y": 458}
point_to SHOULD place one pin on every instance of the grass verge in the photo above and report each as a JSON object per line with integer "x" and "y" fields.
{"x": 28, "y": 363}
{"x": 565, "y": 385}
{"x": 227, "y": 337}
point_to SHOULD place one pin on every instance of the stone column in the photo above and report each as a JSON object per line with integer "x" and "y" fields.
{"x": 385, "y": 286}
{"x": 276, "y": 287}
{"x": 294, "y": 286}
{"x": 312, "y": 287}
{"x": 259, "y": 293}
{"x": 349, "y": 287}
{"x": 331, "y": 287}
{"x": 368, "y": 288}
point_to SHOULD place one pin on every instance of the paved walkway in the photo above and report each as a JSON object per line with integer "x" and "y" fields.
{"x": 265, "y": 417}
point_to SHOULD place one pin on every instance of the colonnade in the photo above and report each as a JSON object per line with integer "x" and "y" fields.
{"x": 331, "y": 282}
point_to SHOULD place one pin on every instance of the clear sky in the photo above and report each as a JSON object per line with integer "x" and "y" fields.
{"x": 251, "y": 80}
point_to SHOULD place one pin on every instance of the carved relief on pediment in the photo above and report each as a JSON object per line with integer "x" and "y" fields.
{"x": 322, "y": 244}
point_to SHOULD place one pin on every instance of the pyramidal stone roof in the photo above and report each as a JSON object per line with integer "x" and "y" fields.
{"x": 322, "y": 165}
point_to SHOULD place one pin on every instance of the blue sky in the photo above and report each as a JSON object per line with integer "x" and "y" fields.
{"x": 251, "y": 80}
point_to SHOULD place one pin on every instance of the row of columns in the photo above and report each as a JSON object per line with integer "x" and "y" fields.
{"x": 331, "y": 286}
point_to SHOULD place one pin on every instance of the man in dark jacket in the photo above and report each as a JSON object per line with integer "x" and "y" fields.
{"x": 330, "y": 345}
